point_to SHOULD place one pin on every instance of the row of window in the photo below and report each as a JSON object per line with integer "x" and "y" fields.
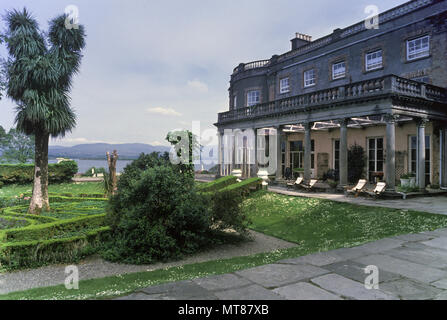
{"x": 416, "y": 48}
{"x": 376, "y": 156}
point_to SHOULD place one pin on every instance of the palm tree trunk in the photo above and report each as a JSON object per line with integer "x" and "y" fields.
{"x": 39, "y": 200}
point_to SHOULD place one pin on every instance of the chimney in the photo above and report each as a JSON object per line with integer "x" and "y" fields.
{"x": 300, "y": 40}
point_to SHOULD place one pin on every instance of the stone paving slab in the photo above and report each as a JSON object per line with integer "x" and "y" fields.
{"x": 441, "y": 284}
{"x": 349, "y": 288}
{"x": 437, "y": 243}
{"x": 405, "y": 268}
{"x": 381, "y": 245}
{"x": 433, "y": 258}
{"x": 411, "y": 267}
{"x": 305, "y": 291}
{"x": 222, "y": 282}
{"x": 414, "y": 237}
{"x": 184, "y": 290}
{"x": 356, "y": 271}
{"x": 410, "y": 290}
{"x": 276, "y": 275}
{"x": 253, "y": 292}
{"x": 318, "y": 259}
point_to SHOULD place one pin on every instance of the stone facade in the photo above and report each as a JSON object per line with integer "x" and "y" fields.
{"x": 402, "y": 97}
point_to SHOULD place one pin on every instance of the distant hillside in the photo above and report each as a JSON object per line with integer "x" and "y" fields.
{"x": 98, "y": 150}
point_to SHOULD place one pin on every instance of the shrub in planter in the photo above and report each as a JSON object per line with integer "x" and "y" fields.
{"x": 356, "y": 163}
{"x": 156, "y": 216}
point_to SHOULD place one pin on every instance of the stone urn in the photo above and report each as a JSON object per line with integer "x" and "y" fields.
{"x": 237, "y": 173}
{"x": 264, "y": 175}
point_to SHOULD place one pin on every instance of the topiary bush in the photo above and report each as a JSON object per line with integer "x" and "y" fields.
{"x": 157, "y": 216}
{"x": 356, "y": 163}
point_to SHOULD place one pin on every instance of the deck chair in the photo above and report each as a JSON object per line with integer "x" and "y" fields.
{"x": 297, "y": 183}
{"x": 358, "y": 188}
{"x": 311, "y": 185}
{"x": 380, "y": 188}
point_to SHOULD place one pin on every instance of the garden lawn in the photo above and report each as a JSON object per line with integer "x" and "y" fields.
{"x": 320, "y": 225}
{"x": 315, "y": 225}
{"x": 74, "y": 188}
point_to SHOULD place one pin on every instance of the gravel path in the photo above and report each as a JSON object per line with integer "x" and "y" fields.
{"x": 98, "y": 268}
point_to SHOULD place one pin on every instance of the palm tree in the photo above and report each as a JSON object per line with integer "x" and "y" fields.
{"x": 39, "y": 73}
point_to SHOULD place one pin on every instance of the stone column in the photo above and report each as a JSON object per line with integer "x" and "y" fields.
{"x": 220, "y": 153}
{"x": 390, "y": 151}
{"x": 278, "y": 152}
{"x": 443, "y": 156}
{"x": 307, "y": 151}
{"x": 255, "y": 168}
{"x": 421, "y": 153}
{"x": 343, "y": 152}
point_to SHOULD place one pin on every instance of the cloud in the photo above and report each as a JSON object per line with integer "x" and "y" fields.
{"x": 158, "y": 144}
{"x": 164, "y": 112}
{"x": 74, "y": 141}
{"x": 198, "y": 86}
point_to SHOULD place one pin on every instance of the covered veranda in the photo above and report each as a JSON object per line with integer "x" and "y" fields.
{"x": 258, "y": 137}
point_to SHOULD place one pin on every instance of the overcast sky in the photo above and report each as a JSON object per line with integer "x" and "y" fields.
{"x": 153, "y": 66}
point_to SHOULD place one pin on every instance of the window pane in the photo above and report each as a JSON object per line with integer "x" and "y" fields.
{"x": 374, "y": 60}
{"x": 418, "y": 48}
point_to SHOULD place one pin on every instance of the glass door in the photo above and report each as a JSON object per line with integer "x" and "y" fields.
{"x": 375, "y": 159}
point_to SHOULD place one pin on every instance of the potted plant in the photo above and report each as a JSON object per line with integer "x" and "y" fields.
{"x": 299, "y": 172}
{"x": 408, "y": 180}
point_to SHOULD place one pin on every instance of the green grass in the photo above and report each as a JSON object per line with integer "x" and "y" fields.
{"x": 315, "y": 225}
{"x": 320, "y": 225}
{"x": 75, "y": 188}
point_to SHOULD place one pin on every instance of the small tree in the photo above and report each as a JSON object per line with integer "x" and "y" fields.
{"x": 356, "y": 163}
{"x": 39, "y": 79}
{"x": 110, "y": 178}
{"x": 16, "y": 146}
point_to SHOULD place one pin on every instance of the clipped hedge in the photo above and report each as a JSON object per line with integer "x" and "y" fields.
{"x": 217, "y": 184}
{"x": 53, "y": 229}
{"x": 24, "y": 173}
{"x": 244, "y": 186}
{"x": 36, "y": 253}
{"x": 56, "y": 238}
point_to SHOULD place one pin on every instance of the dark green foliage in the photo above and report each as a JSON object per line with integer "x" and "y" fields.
{"x": 38, "y": 77}
{"x": 217, "y": 184}
{"x": 186, "y": 146}
{"x": 24, "y": 173}
{"x": 145, "y": 161}
{"x": 36, "y": 253}
{"x": 356, "y": 163}
{"x": 227, "y": 213}
{"x": 157, "y": 216}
